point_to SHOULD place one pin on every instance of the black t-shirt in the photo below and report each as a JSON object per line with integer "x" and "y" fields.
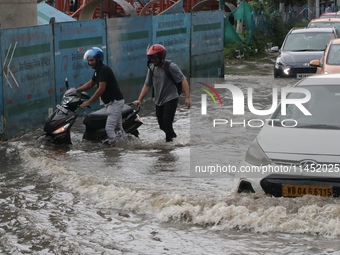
{"x": 112, "y": 91}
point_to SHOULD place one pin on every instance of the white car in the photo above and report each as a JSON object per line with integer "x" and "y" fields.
{"x": 297, "y": 154}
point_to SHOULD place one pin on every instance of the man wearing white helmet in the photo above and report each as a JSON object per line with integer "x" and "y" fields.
{"x": 108, "y": 90}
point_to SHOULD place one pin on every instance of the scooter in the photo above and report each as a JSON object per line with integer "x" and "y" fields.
{"x": 58, "y": 126}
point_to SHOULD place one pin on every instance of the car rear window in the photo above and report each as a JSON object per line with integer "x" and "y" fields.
{"x": 315, "y": 41}
{"x": 325, "y": 24}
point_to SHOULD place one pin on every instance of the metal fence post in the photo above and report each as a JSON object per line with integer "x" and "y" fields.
{"x": 306, "y": 14}
{"x": 252, "y": 25}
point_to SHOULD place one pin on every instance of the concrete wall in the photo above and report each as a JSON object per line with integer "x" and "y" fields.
{"x": 18, "y": 13}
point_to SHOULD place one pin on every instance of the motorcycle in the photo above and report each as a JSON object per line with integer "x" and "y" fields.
{"x": 58, "y": 125}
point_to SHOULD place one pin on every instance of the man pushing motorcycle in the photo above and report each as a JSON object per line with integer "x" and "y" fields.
{"x": 166, "y": 78}
{"x": 108, "y": 90}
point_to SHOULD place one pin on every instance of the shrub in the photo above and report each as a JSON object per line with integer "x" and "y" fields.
{"x": 274, "y": 31}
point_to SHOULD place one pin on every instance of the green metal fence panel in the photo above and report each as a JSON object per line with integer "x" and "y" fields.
{"x": 128, "y": 40}
{"x": 27, "y": 78}
{"x": 72, "y": 39}
{"x": 173, "y": 32}
{"x": 207, "y": 33}
{"x": 208, "y": 66}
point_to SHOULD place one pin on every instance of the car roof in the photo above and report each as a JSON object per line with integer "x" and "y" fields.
{"x": 321, "y": 79}
{"x": 335, "y": 41}
{"x": 325, "y": 14}
{"x": 326, "y": 19}
{"x": 311, "y": 30}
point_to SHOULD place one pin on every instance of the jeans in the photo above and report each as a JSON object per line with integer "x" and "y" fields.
{"x": 165, "y": 116}
{"x": 114, "y": 120}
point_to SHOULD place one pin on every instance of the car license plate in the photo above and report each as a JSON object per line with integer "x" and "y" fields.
{"x": 301, "y": 190}
{"x": 303, "y": 75}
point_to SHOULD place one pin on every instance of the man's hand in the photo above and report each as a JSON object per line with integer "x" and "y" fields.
{"x": 188, "y": 102}
{"x": 137, "y": 102}
{"x": 85, "y": 104}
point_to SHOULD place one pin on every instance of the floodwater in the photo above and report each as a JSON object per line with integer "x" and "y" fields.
{"x": 139, "y": 198}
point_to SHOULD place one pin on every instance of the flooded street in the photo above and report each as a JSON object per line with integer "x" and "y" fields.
{"x": 139, "y": 198}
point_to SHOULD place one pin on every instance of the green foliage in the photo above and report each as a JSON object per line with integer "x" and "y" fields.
{"x": 231, "y": 47}
{"x": 276, "y": 29}
{"x": 259, "y": 40}
{"x": 272, "y": 5}
{"x": 257, "y": 6}
{"x": 274, "y": 32}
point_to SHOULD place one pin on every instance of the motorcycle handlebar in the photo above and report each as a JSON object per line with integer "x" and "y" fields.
{"x": 66, "y": 83}
{"x": 138, "y": 107}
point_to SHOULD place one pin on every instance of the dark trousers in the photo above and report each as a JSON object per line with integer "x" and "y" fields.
{"x": 165, "y": 116}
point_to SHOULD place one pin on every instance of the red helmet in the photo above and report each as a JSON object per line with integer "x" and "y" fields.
{"x": 156, "y": 50}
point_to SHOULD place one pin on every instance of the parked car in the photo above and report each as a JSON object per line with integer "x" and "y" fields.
{"x": 330, "y": 61}
{"x": 300, "y": 46}
{"x": 330, "y": 15}
{"x": 325, "y": 22}
{"x": 303, "y": 158}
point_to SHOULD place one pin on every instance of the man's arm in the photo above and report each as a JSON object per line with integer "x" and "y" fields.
{"x": 186, "y": 89}
{"x": 143, "y": 93}
{"x": 88, "y": 85}
{"x": 96, "y": 95}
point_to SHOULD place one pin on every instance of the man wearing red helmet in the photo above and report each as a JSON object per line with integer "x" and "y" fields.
{"x": 165, "y": 90}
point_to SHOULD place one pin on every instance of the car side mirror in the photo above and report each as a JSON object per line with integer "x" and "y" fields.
{"x": 275, "y": 48}
{"x": 315, "y": 62}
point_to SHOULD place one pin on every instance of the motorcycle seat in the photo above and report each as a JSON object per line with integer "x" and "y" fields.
{"x": 95, "y": 118}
